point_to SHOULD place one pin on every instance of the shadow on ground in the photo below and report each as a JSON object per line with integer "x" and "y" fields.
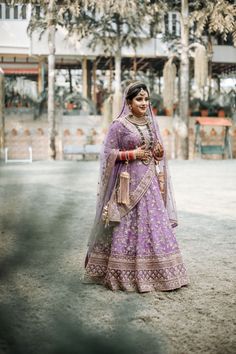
{"x": 37, "y": 311}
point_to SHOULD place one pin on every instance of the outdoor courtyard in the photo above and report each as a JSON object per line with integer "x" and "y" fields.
{"x": 46, "y": 213}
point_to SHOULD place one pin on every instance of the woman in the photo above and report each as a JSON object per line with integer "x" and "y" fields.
{"x": 132, "y": 245}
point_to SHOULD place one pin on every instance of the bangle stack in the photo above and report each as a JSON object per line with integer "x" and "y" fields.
{"x": 123, "y": 156}
{"x": 128, "y": 155}
{"x": 131, "y": 155}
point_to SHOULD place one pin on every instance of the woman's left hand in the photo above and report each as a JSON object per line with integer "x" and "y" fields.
{"x": 158, "y": 152}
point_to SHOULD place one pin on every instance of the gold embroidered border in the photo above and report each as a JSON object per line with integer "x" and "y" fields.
{"x": 136, "y": 263}
{"x": 142, "y": 286}
{"x": 140, "y": 264}
{"x": 146, "y": 273}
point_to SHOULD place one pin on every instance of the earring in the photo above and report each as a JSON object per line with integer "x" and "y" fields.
{"x": 130, "y": 107}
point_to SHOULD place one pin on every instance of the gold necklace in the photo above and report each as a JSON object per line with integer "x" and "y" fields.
{"x": 137, "y": 121}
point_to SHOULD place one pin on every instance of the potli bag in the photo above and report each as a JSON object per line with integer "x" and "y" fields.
{"x": 123, "y": 190}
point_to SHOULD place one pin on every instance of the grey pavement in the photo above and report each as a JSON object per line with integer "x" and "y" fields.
{"x": 46, "y": 213}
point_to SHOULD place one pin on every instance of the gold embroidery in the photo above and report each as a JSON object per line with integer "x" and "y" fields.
{"x": 145, "y": 273}
{"x": 137, "y": 194}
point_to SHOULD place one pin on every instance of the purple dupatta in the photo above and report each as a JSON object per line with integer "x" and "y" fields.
{"x": 110, "y": 170}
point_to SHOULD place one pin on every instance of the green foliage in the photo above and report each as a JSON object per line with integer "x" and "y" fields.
{"x": 55, "y": 12}
{"x": 124, "y": 23}
{"x": 79, "y": 102}
{"x": 126, "y": 19}
{"x": 156, "y": 101}
{"x": 215, "y": 16}
{"x": 110, "y": 23}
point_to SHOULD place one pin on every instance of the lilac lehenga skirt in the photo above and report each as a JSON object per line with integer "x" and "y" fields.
{"x": 143, "y": 254}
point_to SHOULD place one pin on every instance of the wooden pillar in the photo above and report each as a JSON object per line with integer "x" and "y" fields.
{"x": 89, "y": 79}
{"x": 70, "y": 80}
{"x": 94, "y": 95}
{"x": 41, "y": 80}
{"x": 151, "y": 79}
{"x": 218, "y": 84}
{"x": 210, "y": 55}
{"x": 85, "y": 77}
{"x": 159, "y": 83}
{"x": 209, "y": 78}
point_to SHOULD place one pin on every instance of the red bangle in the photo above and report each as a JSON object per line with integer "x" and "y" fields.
{"x": 131, "y": 155}
{"x": 127, "y": 155}
{"x": 123, "y": 155}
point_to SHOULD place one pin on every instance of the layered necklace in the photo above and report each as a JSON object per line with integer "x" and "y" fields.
{"x": 138, "y": 122}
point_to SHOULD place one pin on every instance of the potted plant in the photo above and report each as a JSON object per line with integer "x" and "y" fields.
{"x": 194, "y": 107}
{"x": 70, "y": 105}
{"x": 223, "y": 105}
{"x": 157, "y": 103}
{"x": 221, "y": 112}
{"x": 204, "y": 108}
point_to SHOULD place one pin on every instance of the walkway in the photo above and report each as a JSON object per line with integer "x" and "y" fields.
{"x": 46, "y": 213}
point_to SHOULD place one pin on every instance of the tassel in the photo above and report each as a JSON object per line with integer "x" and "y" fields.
{"x": 123, "y": 191}
{"x": 105, "y": 216}
{"x": 161, "y": 180}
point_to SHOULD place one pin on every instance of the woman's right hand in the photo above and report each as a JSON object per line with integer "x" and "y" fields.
{"x": 142, "y": 153}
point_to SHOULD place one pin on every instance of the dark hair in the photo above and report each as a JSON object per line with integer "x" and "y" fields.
{"x": 134, "y": 90}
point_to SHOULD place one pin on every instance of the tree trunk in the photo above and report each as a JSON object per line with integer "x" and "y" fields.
{"x": 51, "y": 81}
{"x": 2, "y": 121}
{"x": 183, "y": 143}
{"x": 117, "y": 98}
{"x": 210, "y": 55}
{"x": 85, "y": 77}
{"x": 108, "y": 104}
{"x": 117, "y": 94}
{"x": 218, "y": 85}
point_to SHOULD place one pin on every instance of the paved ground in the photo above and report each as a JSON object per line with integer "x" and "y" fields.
{"x": 46, "y": 213}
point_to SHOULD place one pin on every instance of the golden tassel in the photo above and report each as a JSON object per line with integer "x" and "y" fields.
{"x": 123, "y": 191}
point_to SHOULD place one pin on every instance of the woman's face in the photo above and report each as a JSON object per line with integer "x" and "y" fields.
{"x": 139, "y": 104}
